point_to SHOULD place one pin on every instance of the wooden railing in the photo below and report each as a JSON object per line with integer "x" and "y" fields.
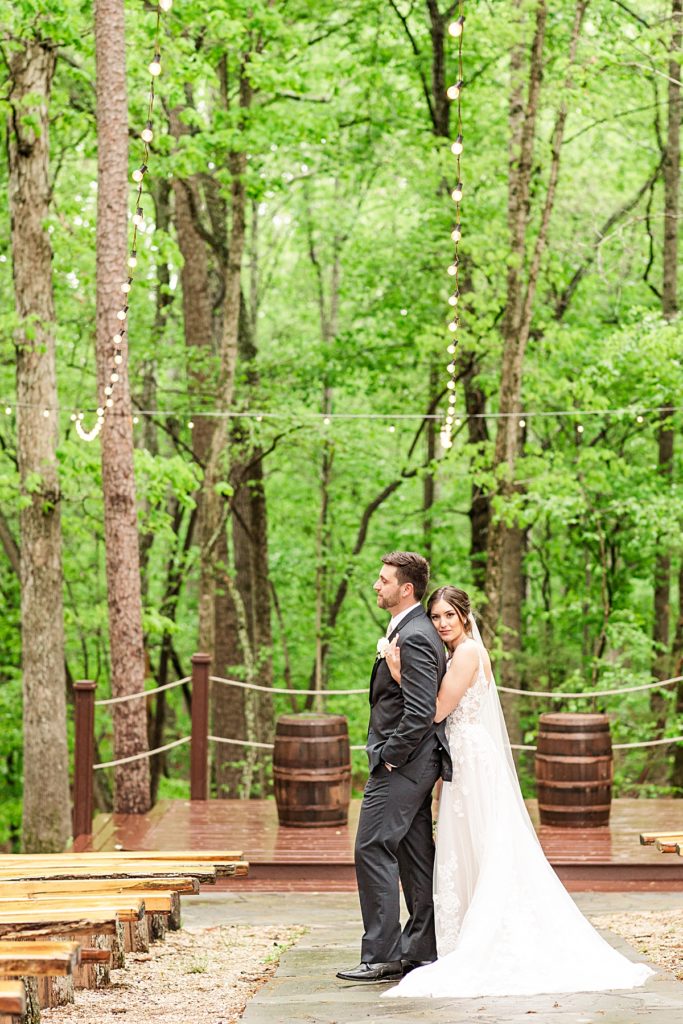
{"x": 84, "y": 753}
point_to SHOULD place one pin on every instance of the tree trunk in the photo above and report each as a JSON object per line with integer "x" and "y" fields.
{"x": 118, "y": 481}
{"x": 521, "y": 283}
{"x": 46, "y": 813}
{"x": 480, "y": 501}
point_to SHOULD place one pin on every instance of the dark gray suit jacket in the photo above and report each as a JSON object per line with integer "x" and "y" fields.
{"x": 402, "y": 731}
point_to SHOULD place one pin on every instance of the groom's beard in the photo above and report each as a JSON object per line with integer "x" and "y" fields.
{"x": 388, "y": 601}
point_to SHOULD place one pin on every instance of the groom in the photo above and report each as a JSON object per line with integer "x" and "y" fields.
{"x": 407, "y": 754}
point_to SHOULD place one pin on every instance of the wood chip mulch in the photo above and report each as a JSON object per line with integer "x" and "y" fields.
{"x": 196, "y": 976}
{"x": 657, "y": 935}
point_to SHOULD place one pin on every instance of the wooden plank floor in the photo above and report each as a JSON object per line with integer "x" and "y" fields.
{"x": 321, "y": 859}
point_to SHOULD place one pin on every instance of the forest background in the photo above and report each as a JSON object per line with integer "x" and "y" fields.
{"x": 292, "y": 271}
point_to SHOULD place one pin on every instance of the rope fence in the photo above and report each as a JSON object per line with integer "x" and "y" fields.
{"x": 277, "y": 690}
{"x": 144, "y": 754}
{"x": 142, "y": 693}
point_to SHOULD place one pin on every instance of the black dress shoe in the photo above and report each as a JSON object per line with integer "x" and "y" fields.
{"x": 410, "y": 965}
{"x": 373, "y": 972}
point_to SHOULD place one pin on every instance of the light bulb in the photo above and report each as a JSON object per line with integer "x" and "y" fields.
{"x": 327, "y": 421}
{"x": 114, "y": 377}
{"x": 458, "y": 422}
{"x": 155, "y": 66}
{"x": 118, "y": 359}
{"x": 73, "y": 417}
{"x": 451, "y": 349}
{"x": 522, "y": 423}
{"x": 109, "y": 403}
{"x": 456, "y": 194}
{"x": 108, "y": 390}
{"x": 453, "y": 91}
{"x": 452, "y": 270}
{"x": 46, "y": 413}
{"x": 133, "y": 258}
{"x": 147, "y": 134}
{"x": 453, "y": 326}
{"x": 117, "y": 339}
{"x": 136, "y": 419}
{"x": 579, "y": 429}
{"x": 138, "y": 217}
{"x": 125, "y": 287}
{"x": 392, "y": 428}
{"x": 639, "y": 419}
{"x": 121, "y": 315}
{"x": 190, "y": 425}
{"x": 100, "y": 412}
{"x": 455, "y": 28}
{"x": 457, "y": 147}
{"x": 452, "y": 399}
{"x": 165, "y": 5}
{"x": 139, "y": 173}
{"x": 453, "y": 300}
{"x": 451, "y": 367}
{"x": 456, "y": 234}
{"x": 8, "y": 410}
{"x": 80, "y": 416}
{"x": 451, "y": 385}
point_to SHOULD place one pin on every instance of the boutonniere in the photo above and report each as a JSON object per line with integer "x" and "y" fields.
{"x": 383, "y": 646}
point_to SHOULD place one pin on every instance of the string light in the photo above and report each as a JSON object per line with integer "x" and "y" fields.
{"x": 147, "y": 134}
{"x": 304, "y": 416}
{"x": 455, "y": 28}
{"x": 454, "y": 93}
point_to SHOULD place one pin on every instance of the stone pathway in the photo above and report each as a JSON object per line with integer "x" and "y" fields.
{"x": 305, "y": 990}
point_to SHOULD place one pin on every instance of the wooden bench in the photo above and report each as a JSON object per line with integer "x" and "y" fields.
{"x": 12, "y": 1001}
{"x": 110, "y": 903}
{"x": 43, "y": 966}
{"x": 666, "y": 842}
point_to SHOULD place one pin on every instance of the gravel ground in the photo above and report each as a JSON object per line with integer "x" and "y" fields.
{"x": 658, "y": 935}
{"x": 196, "y": 976}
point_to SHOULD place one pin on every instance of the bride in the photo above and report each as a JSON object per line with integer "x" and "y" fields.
{"x": 505, "y": 924}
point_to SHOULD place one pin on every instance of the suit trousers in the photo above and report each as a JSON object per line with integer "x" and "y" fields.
{"x": 394, "y": 840}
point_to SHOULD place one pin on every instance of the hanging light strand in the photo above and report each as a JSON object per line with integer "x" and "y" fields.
{"x": 117, "y": 352}
{"x": 454, "y": 94}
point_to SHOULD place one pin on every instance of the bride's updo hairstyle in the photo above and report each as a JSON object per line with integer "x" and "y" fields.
{"x": 457, "y": 599}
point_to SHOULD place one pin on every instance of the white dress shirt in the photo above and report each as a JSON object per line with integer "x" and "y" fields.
{"x": 397, "y": 618}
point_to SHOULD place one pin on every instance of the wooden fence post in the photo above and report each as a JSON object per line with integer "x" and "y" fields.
{"x": 84, "y": 758}
{"x": 199, "y": 749}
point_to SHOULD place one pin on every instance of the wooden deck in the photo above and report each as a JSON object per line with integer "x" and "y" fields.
{"x": 321, "y": 859}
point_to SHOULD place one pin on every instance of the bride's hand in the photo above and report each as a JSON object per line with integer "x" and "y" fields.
{"x": 393, "y": 659}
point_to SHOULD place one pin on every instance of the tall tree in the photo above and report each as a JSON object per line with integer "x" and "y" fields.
{"x": 503, "y": 580}
{"x": 46, "y": 819}
{"x": 126, "y": 642}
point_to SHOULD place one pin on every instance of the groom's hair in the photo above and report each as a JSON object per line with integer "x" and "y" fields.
{"x": 410, "y": 568}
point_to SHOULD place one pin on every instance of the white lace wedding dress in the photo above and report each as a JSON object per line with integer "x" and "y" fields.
{"x": 505, "y": 924}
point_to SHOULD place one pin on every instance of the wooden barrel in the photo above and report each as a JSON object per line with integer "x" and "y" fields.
{"x": 312, "y": 770}
{"x": 574, "y": 770}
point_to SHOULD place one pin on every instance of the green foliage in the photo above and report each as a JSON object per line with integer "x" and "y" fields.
{"x": 344, "y": 168}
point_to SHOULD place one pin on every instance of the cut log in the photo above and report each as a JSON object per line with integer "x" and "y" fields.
{"x": 207, "y": 856}
{"x": 64, "y": 886}
{"x": 12, "y": 998}
{"x": 157, "y": 902}
{"x": 116, "y": 862}
{"x": 123, "y": 869}
{"x": 650, "y": 838}
{"x": 38, "y": 958}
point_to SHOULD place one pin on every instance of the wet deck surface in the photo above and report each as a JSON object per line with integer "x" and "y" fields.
{"x": 321, "y": 859}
